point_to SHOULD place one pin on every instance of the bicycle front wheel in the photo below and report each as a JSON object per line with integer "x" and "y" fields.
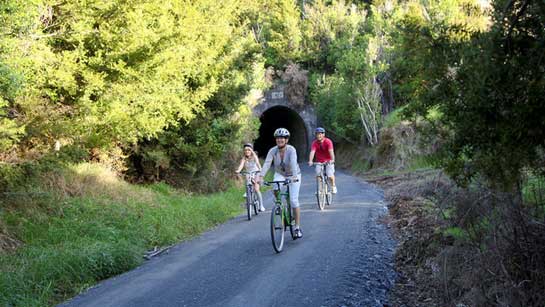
{"x": 320, "y": 194}
{"x": 328, "y": 194}
{"x": 277, "y": 228}
{"x": 249, "y": 203}
{"x": 255, "y": 203}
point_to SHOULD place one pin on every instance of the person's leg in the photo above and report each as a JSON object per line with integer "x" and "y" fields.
{"x": 294, "y": 201}
{"x": 247, "y": 182}
{"x": 277, "y": 177}
{"x": 259, "y": 196}
{"x": 318, "y": 171}
{"x": 330, "y": 172}
{"x": 332, "y": 180}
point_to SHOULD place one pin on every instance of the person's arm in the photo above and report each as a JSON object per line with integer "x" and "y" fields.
{"x": 331, "y": 151}
{"x": 313, "y": 148}
{"x": 293, "y": 162}
{"x": 332, "y": 155}
{"x": 257, "y": 160}
{"x": 311, "y": 157}
{"x": 241, "y": 165}
{"x": 266, "y": 165}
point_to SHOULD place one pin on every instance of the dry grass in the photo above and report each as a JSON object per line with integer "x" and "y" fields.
{"x": 7, "y": 242}
{"x": 96, "y": 181}
{"x": 415, "y": 220}
{"x": 297, "y": 84}
{"x": 473, "y": 246}
{"x": 398, "y": 145}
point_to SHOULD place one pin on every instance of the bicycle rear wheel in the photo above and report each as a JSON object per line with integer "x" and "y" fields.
{"x": 320, "y": 195}
{"x": 277, "y": 228}
{"x": 248, "y": 202}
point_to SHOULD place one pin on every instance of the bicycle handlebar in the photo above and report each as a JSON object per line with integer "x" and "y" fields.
{"x": 285, "y": 182}
{"x": 248, "y": 173}
{"x": 322, "y": 163}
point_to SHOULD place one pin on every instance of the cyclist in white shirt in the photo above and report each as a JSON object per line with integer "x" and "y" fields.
{"x": 284, "y": 158}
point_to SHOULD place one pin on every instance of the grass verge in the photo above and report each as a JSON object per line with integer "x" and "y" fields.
{"x": 82, "y": 224}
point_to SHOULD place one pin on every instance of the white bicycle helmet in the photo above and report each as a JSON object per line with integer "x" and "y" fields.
{"x": 282, "y": 133}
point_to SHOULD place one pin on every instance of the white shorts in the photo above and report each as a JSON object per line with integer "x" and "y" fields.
{"x": 294, "y": 189}
{"x": 329, "y": 169}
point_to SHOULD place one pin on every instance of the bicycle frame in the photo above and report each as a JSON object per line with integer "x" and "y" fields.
{"x": 286, "y": 208}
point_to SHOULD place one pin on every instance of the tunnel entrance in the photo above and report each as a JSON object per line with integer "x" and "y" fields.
{"x": 280, "y": 116}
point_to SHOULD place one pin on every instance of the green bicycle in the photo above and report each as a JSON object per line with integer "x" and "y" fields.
{"x": 281, "y": 215}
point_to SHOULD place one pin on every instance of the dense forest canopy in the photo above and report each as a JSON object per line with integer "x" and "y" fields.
{"x": 167, "y": 85}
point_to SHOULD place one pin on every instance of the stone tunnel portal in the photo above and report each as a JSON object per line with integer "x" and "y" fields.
{"x": 280, "y": 116}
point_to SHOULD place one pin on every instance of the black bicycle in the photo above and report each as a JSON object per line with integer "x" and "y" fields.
{"x": 252, "y": 200}
{"x": 324, "y": 191}
{"x": 281, "y": 215}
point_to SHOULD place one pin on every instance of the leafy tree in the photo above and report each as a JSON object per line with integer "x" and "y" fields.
{"x": 276, "y": 27}
{"x": 100, "y": 75}
{"x": 323, "y": 26}
{"x": 10, "y": 131}
{"x": 422, "y": 41}
{"x": 491, "y": 100}
{"x": 350, "y": 53}
{"x": 16, "y": 21}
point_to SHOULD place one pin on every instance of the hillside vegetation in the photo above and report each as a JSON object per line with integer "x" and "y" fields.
{"x": 159, "y": 93}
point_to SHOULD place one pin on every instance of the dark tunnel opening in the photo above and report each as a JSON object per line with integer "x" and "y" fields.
{"x": 277, "y": 117}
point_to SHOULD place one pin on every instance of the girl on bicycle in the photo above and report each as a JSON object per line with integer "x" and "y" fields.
{"x": 250, "y": 163}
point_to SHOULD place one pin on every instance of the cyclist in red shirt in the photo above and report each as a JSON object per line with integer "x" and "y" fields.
{"x": 322, "y": 147}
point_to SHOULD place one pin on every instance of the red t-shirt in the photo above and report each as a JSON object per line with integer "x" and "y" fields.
{"x": 322, "y": 150}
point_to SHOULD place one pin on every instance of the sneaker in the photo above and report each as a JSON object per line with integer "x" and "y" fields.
{"x": 262, "y": 209}
{"x": 244, "y": 195}
{"x": 298, "y": 233}
{"x": 334, "y": 190}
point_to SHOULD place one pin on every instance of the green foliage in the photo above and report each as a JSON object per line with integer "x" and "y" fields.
{"x": 335, "y": 104}
{"x": 533, "y": 190}
{"x": 457, "y": 233}
{"x": 345, "y": 51}
{"x": 393, "y": 118}
{"x": 327, "y": 30}
{"x": 15, "y": 20}
{"x": 488, "y": 90}
{"x": 277, "y": 29}
{"x": 132, "y": 70}
{"x": 10, "y": 131}
{"x": 94, "y": 75}
{"x": 423, "y": 40}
